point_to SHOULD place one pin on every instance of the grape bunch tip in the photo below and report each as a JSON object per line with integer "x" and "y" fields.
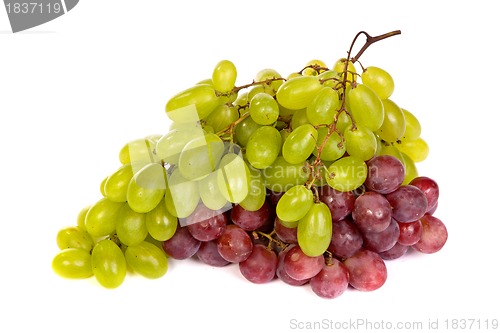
{"x": 309, "y": 178}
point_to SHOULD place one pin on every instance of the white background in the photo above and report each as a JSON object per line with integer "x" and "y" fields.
{"x": 74, "y": 90}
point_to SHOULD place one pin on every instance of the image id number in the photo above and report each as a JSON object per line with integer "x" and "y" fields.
{"x": 33, "y": 7}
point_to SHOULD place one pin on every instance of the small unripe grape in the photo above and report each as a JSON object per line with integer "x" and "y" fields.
{"x": 224, "y": 76}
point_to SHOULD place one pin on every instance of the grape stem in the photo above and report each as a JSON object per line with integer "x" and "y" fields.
{"x": 369, "y": 41}
{"x": 257, "y": 234}
{"x": 256, "y": 83}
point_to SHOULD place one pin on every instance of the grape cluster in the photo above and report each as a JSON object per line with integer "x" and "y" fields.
{"x": 309, "y": 178}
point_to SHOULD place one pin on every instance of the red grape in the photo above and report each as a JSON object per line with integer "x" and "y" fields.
{"x": 398, "y": 250}
{"x": 408, "y": 203}
{"x": 250, "y": 220}
{"x": 182, "y": 245}
{"x": 340, "y": 204}
{"x": 205, "y": 224}
{"x": 430, "y": 189}
{"x": 332, "y": 280}
{"x": 299, "y": 266}
{"x": 434, "y": 235}
{"x": 385, "y": 174}
{"x": 367, "y": 270}
{"x": 346, "y": 239}
{"x": 372, "y": 212}
{"x": 281, "y": 272}
{"x": 235, "y": 245}
{"x": 383, "y": 240}
{"x": 409, "y": 232}
{"x": 260, "y": 266}
{"x": 209, "y": 254}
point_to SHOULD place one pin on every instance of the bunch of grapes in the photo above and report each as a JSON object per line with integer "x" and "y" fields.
{"x": 309, "y": 178}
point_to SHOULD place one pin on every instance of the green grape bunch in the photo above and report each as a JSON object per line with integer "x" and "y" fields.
{"x": 293, "y": 162}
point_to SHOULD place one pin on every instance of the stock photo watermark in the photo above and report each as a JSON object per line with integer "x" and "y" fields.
{"x": 365, "y": 324}
{"x": 26, "y": 14}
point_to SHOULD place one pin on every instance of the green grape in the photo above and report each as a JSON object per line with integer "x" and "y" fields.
{"x": 366, "y": 107}
{"x": 360, "y": 142}
{"x": 241, "y": 100}
{"x": 284, "y": 133}
{"x": 224, "y": 76}
{"x": 284, "y": 112}
{"x": 233, "y": 178}
{"x": 297, "y": 93}
{"x": 281, "y": 175}
{"x": 210, "y": 193}
{"x": 101, "y": 217}
{"x": 161, "y": 225}
{"x": 74, "y": 237}
{"x": 281, "y": 124}
{"x": 222, "y": 117}
{"x": 379, "y": 80}
{"x": 205, "y": 81}
{"x": 339, "y": 67}
{"x": 323, "y": 108}
{"x": 182, "y": 195}
{"x": 313, "y": 72}
{"x": 155, "y": 242}
{"x": 154, "y": 138}
{"x": 131, "y": 226}
{"x": 411, "y": 171}
{"x": 116, "y": 184}
{"x": 294, "y": 204}
{"x": 314, "y": 230}
{"x": 260, "y": 89}
{"x": 320, "y": 172}
{"x": 334, "y": 147}
{"x": 147, "y": 260}
{"x": 80, "y": 218}
{"x": 73, "y": 263}
{"x": 299, "y": 118}
{"x": 175, "y": 126}
{"x": 207, "y": 129}
{"x": 147, "y": 188}
{"x": 244, "y": 129}
{"x": 192, "y": 104}
{"x": 417, "y": 150}
{"x": 347, "y": 173}
{"x": 263, "y": 109}
{"x": 263, "y": 147}
{"x": 413, "y": 128}
{"x": 268, "y": 74}
{"x": 227, "y": 99}
{"x": 292, "y": 224}
{"x": 201, "y": 156}
{"x": 343, "y": 122}
{"x": 300, "y": 144}
{"x": 256, "y": 192}
{"x": 108, "y": 264}
{"x": 380, "y": 144}
{"x": 101, "y": 186}
{"x": 329, "y": 78}
{"x": 394, "y": 124}
{"x": 139, "y": 151}
{"x": 293, "y": 75}
{"x": 169, "y": 147}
